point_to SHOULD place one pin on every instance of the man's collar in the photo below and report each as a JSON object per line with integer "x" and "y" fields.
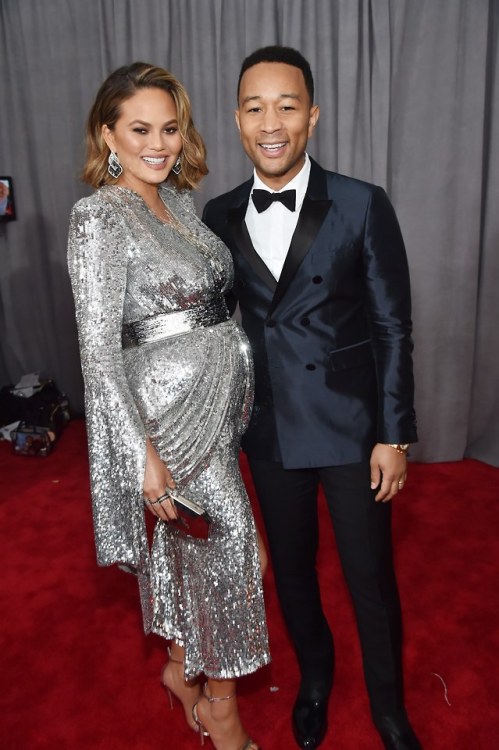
{"x": 299, "y": 182}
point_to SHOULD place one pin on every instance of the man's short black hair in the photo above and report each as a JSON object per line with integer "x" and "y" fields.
{"x": 278, "y": 54}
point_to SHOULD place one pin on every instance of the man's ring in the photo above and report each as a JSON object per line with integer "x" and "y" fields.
{"x": 401, "y": 484}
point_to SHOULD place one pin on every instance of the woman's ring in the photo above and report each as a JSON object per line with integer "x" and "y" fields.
{"x": 159, "y": 500}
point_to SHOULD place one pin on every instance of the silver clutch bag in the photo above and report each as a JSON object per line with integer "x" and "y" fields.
{"x": 192, "y": 518}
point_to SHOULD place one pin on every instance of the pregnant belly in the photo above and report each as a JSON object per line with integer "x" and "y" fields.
{"x": 165, "y": 375}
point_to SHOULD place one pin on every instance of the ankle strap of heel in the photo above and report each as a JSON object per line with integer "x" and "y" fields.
{"x": 172, "y": 658}
{"x": 214, "y": 699}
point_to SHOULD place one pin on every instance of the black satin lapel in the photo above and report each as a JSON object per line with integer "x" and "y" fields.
{"x": 237, "y": 223}
{"x": 312, "y": 215}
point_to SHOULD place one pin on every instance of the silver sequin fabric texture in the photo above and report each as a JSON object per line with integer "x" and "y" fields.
{"x": 192, "y": 395}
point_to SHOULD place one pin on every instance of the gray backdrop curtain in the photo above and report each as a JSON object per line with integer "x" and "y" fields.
{"x": 408, "y": 91}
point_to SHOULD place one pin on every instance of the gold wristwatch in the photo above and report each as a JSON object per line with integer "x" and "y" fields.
{"x": 400, "y": 447}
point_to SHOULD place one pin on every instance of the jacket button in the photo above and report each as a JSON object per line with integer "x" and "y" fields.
{"x": 310, "y": 367}
{"x": 270, "y": 323}
{"x": 317, "y": 279}
{"x": 305, "y": 321}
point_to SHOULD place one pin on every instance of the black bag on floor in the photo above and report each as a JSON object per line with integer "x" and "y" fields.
{"x": 42, "y": 416}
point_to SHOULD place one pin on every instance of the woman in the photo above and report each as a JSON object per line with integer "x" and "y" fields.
{"x": 168, "y": 390}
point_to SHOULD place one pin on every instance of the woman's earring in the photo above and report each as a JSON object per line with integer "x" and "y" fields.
{"x": 114, "y": 167}
{"x": 177, "y": 167}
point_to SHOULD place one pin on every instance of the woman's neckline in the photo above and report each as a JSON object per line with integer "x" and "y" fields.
{"x": 170, "y": 219}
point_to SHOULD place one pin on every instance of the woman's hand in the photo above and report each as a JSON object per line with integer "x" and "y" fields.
{"x": 157, "y": 480}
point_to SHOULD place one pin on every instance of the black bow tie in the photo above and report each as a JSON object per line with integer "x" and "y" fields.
{"x": 262, "y": 199}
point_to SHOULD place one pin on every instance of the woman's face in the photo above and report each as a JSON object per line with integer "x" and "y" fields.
{"x": 146, "y": 138}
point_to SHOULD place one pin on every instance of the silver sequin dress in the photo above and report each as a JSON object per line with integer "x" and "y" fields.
{"x": 192, "y": 395}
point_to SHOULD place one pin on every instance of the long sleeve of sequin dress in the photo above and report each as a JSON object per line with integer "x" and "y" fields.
{"x": 191, "y": 394}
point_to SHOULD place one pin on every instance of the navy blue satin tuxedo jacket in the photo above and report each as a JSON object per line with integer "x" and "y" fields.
{"x": 331, "y": 339}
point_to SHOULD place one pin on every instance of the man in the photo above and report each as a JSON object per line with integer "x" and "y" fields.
{"x": 323, "y": 287}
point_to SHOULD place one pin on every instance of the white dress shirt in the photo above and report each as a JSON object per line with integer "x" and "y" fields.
{"x": 272, "y": 230}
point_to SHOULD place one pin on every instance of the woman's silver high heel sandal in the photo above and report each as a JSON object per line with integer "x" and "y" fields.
{"x": 248, "y": 745}
{"x": 171, "y": 692}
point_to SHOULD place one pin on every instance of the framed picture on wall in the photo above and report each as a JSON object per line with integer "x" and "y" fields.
{"x": 7, "y": 203}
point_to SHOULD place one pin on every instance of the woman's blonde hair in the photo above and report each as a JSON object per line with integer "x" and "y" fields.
{"x": 106, "y": 110}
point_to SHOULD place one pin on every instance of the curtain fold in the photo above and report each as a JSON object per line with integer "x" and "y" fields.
{"x": 409, "y": 100}
{"x": 483, "y": 422}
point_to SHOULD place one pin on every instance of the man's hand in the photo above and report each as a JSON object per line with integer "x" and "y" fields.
{"x": 388, "y": 471}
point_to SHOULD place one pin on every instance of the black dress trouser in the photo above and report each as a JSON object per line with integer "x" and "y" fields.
{"x": 362, "y": 527}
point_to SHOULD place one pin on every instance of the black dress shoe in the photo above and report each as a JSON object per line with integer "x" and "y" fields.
{"x": 397, "y": 733}
{"x": 310, "y": 718}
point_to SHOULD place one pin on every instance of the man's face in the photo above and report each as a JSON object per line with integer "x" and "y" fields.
{"x": 275, "y": 120}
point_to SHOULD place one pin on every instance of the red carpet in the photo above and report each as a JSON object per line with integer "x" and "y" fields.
{"x": 77, "y": 672}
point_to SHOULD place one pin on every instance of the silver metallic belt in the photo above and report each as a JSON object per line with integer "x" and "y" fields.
{"x": 167, "y": 325}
